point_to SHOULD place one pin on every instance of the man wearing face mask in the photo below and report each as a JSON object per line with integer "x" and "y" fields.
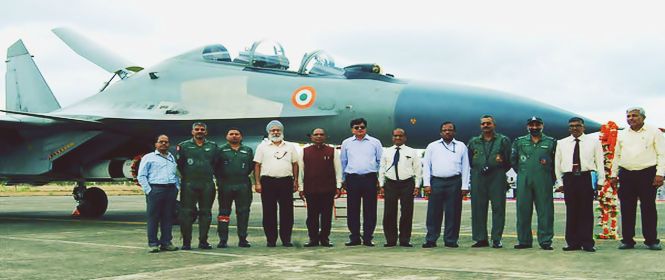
{"x": 532, "y": 159}
{"x": 276, "y": 166}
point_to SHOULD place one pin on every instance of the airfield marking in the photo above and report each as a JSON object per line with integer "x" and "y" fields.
{"x": 230, "y": 226}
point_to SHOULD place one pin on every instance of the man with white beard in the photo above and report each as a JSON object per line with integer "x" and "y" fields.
{"x": 276, "y": 166}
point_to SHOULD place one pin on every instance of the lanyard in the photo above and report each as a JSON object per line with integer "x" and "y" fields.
{"x": 443, "y": 142}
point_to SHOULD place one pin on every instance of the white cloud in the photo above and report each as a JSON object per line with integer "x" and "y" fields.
{"x": 592, "y": 57}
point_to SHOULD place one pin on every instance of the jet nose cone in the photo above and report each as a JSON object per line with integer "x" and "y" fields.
{"x": 420, "y": 110}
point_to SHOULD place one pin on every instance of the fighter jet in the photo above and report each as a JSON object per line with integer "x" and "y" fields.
{"x": 102, "y": 137}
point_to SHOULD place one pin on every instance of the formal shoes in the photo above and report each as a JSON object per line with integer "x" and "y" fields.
{"x": 626, "y": 246}
{"x": 169, "y": 248}
{"x": 405, "y": 244}
{"x": 497, "y": 244}
{"x": 429, "y": 244}
{"x": 522, "y": 246}
{"x": 287, "y": 244}
{"x": 480, "y": 244}
{"x": 326, "y": 244}
{"x": 353, "y": 243}
{"x": 222, "y": 244}
{"x": 572, "y": 248}
{"x": 205, "y": 246}
{"x": 243, "y": 243}
{"x": 271, "y": 244}
{"x": 311, "y": 244}
{"x": 390, "y": 244}
{"x": 546, "y": 247}
{"x": 589, "y": 249}
{"x": 451, "y": 245}
{"x": 368, "y": 243}
{"x": 655, "y": 247}
{"x": 185, "y": 247}
{"x": 153, "y": 249}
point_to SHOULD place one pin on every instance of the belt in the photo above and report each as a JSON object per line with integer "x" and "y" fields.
{"x": 448, "y": 178}
{"x": 277, "y": 178}
{"x": 582, "y": 173}
{"x": 371, "y": 174}
{"x": 162, "y": 185}
{"x": 400, "y": 181}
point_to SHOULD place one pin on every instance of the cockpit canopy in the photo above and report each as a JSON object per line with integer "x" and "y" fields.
{"x": 268, "y": 54}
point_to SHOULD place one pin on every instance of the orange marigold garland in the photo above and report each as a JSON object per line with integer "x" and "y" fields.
{"x": 607, "y": 195}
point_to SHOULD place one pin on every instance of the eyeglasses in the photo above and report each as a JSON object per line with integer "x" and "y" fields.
{"x": 575, "y": 125}
{"x": 280, "y": 155}
{"x": 359, "y": 127}
{"x": 163, "y": 142}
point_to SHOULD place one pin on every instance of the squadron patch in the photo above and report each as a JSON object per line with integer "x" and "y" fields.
{"x": 190, "y": 161}
{"x": 522, "y": 158}
{"x": 303, "y": 97}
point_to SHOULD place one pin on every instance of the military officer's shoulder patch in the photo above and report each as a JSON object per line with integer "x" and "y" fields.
{"x": 522, "y": 138}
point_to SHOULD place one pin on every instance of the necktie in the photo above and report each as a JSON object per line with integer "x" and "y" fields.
{"x": 577, "y": 168}
{"x": 395, "y": 161}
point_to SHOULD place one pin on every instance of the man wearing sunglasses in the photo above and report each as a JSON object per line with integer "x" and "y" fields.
{"x": 276, "y": 166}
{"x": 159, "y": 180}
{"x": 361, "y": 156}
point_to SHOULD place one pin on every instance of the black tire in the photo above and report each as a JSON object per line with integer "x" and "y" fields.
{"x": 94, "y": 203}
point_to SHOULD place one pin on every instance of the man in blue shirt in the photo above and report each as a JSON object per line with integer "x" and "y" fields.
{"x": 159, "y": 180}
{"x": 361, "y": 156}
{"x": 446, "y": 176}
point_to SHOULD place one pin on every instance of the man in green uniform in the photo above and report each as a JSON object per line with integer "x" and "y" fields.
{"x": 533, "y": 159}
{"x": 236, "y": 163}
{"x": 489, "y": 156}
{"x": 197, "y": 160}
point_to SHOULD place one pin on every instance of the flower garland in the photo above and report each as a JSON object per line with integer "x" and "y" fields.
{"x": 607, "y": 195}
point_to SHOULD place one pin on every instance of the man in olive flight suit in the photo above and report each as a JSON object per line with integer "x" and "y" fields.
{"x": 489, "y": 156}
{"x": 197, "y": 160}
{"x": 237, "y": 162}
{"x": 533, "y": 159}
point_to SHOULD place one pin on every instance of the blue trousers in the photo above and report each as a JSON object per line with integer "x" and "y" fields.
{"x": 160, "y": 210}
{"x": 361, "y": 189}
{"x": 446, "y": 197}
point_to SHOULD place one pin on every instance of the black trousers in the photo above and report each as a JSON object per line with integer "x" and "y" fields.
{"x": 361, "y": 189}
{"x": 319, "y": 215}
{"x": 394, "y": 192}
{"x": 578, "y": 191}
{"x": 274, "y": 192}
{"x": 636, "y": 185}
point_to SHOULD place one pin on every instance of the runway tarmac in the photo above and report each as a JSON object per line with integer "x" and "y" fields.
{"x": 39, "y": 240}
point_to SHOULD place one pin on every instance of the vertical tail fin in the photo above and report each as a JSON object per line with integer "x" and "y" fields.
{"x": 25, "y": 87}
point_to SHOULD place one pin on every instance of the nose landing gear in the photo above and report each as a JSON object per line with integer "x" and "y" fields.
{"x": 92, "y": 201}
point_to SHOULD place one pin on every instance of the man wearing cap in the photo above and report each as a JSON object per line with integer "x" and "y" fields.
{"x": 158, "y": 177}
{"x": 276, "y": 166}
{"x": 399, "y": 177}
{"x": 576, "y": 157}
{"x": 197, "y": 160}
{"x": 639, "y": 164}
{"x": 532, "y": 158}
{"x": 320, "y": 179}
{"x": 234, "y": 185}
{"x": 489, "y": 157}
{"x": 360, "y": 156}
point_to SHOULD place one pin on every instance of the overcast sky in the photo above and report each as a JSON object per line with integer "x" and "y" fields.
{"x": 594, "y": 58}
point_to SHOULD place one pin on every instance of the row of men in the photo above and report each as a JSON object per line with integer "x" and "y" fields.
{"x": 448, "y": 169}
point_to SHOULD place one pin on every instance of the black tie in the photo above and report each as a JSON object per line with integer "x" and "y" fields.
{"x": 577, "y": 168}
{"x": 395, "y": 161}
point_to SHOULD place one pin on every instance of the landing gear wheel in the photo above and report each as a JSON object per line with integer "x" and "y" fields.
{"x": 93, "y": 203}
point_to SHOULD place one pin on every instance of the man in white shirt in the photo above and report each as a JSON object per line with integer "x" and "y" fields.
{"x": 639, "y": 162}
{"x": 446, "y": 176}
{"x": 576, "y": 157}
{"x": 276, "y": 166}
{"x": 399, "y": 178}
